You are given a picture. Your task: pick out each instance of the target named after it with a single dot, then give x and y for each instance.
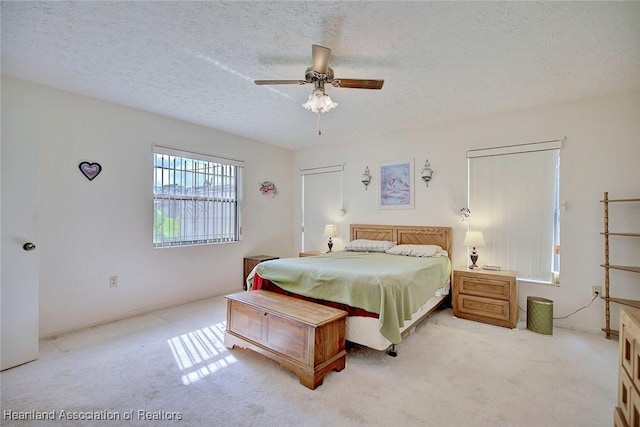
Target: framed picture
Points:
(395, 188)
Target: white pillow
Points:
(364, 245)
(416, 250)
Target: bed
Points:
(386, 295)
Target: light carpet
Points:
(101, 333)
(450, 372)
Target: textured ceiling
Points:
(441, 61)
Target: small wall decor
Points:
(268, 187)
(90, 170)
(366, 178)
(396, 185)
(465, 215)
(426, 173)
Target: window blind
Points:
(513, 198)
(196, 198)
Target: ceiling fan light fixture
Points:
(319, 102)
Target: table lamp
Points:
(473, 239)
(330, 232)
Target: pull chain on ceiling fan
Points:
(319, 74)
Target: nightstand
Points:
(252, 261)
(309, 253)
(486, 296)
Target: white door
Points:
(20, 316)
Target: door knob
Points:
(28, 246)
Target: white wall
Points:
(89, 231)
(92, 230)
(601, 153)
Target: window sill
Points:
(538, 282)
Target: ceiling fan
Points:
(320, 74)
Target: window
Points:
(196, 199)
(321, 204)
(514, 201)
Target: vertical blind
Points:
(513, 198)
(321, 204)
(196, 198)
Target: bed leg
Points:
(391, 351)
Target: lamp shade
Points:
(473, 239)
(319, 102)
(330, 230)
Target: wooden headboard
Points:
(404, 234)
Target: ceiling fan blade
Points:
(279, 82)
(358, 83)
(320, 58)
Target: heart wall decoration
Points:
(90, 170)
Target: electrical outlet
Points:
(113, 281)
(596, 290)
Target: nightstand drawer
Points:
(252, 261)
(484, 286)
(308, 253)
(486, 296)
(481, 308)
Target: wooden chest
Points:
(627, 412)
(304, 337)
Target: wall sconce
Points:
(426, 172)
(465, 215)
(366, 178)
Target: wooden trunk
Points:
(304, 337)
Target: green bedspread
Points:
(393, 286)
